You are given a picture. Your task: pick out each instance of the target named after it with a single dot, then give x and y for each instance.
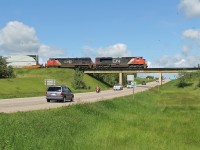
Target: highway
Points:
(38, 103)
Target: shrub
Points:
(5, 71)
(78, 82)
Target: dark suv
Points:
(143, 83)
(60, 93)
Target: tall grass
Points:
(163, 118)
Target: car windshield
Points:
(54, 89)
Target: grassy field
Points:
(30, 82)
(164, 118)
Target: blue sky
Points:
(165, 32)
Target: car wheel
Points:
(64, 99)
(72, 99)
(48, 100)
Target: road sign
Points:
(130, 78)
(134, 84)
(50, 82)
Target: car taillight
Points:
(61, 94)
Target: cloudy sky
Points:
(164, 32)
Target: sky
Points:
(164, 32)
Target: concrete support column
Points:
(160, 78)
(121, 78)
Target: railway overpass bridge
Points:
(122, 71)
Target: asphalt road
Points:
(37, 103)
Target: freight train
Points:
(100, 63)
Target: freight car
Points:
(123, 62)
(83, 63)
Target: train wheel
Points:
(131, 66)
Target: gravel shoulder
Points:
(38, 103)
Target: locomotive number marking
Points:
(116, 60)
(68, 61)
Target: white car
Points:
(117, 87)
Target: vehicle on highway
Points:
(98, 89)
(143, 83)
(59, 93)
(117, 87)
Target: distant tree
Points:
(150, 77)
(182, 83)
(78, 82)
(5, 71)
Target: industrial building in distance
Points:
(23, 61)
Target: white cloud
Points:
(178, 61)
(191, 8)
(47, 51)
(186, 59)
(88, 51)
(117, 50)
(181, 63)
(192, 34)
(186, 49)
(18, 38)
(149, 64)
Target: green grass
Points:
(30, 82)
(164, 118)
(140, 80)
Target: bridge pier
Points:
(121, 78)
(160, 78)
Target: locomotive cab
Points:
(53, 63)
(137, 62)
